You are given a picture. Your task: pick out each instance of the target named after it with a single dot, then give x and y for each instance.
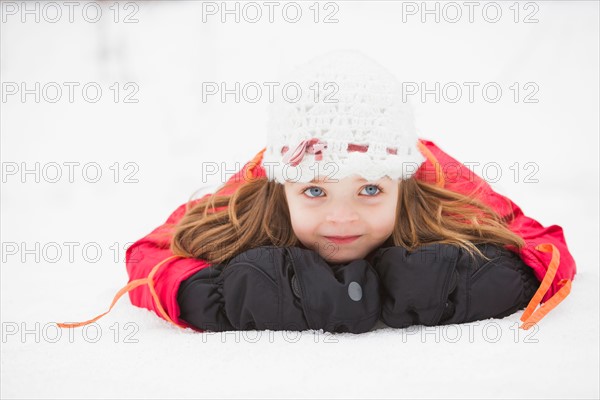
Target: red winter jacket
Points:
(155, 273)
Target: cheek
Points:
(387, 228)
(303, 224)
(383, 220)
(302, 220)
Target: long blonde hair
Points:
(218, 227)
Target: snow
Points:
(171, 133)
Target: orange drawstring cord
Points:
(440, 181)
(531, 316)
(256, 161)
(130, 286)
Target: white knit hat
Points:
(347, 118)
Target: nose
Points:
(341, 213)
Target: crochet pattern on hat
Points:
(354, 105)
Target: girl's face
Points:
(321, 212)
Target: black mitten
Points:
(415, 286)
(441, 284)
(282, 288)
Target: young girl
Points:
(343, 218)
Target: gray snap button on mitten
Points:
(355, 291)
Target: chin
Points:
(342, 259)
(340, 256)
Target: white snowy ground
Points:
(171, 132)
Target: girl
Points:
(343, 218)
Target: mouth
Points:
(342, 239)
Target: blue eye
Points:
(372, 189)
(313, 188)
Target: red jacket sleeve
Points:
(451, 174)
(146, 253)
(142, 256)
